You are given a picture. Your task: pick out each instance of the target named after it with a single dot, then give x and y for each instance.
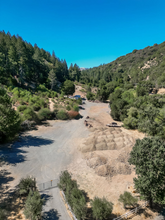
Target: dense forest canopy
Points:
(22, 64)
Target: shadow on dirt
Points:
(5, 180)
(17, 152)
(51, 215)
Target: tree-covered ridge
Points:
(24, 65)
(133, 67)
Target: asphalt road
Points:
(45, 155)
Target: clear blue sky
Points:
(86, 32)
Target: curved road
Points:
(45, 154)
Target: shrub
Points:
(76, 108)
(33, 206)
(78, 203)
(101, 208)
(79, 101)
(65, 177)
(36, 107)
(90, 96)
(25, 185)
(73, 114)
(62, 115)
(44, 114)
(127, 199)
(22, 108)
(68, 107)
(55, 105)
(29, 114)
(9, 118)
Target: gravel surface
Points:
(44, 153)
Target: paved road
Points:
(45, 155)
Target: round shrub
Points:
(29, 114)
(68, 107)
(62, 115)
(36, 107)
(44, 114)
(76, 108)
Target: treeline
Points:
(148, 63)
(22, 64)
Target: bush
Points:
(79, 101)
(33, 206)
(44, 114)
(76, 108)
(78, 203)
(9, 118)
(25, 185)
(127, 199)
(29, 114)
(74, 196)
(65, 179)
(90, 96)
(36, 107)
(101, 208)
(62, 115)
(68, 107)
(22, 108)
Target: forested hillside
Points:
(131, 83)
(148, 63)
(32, 80)
(22, 64)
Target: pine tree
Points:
(53, 79)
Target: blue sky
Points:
(86, 32)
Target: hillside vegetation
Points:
(148, 63)
(131, 83)
(33, 85)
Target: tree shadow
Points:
(51, 215)
(46, 197)
(5, 179)
(82, 108)
(17, 152)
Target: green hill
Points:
(131, 83)
(148, 63)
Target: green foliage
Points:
(74, 196)
(9, 118)
(127, 199)
(101, 208)
(44, 114)
(78, 203)
(79, 101)
(148, 157)
(29, 114)
(68, 107)
(26, 184)
(62, 115)
(90, 96)
(21, 108)
(23, 65)
(69, 87)
(33, 206)
(76, 108)
(65, 177)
